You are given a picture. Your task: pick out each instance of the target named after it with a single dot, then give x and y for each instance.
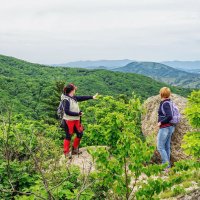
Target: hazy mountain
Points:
(189, 66)
(196, 71)
(163, 73)
(100, 64)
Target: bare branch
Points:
(85, 186)
(126, 178)
(41, 173)
(24, 193)
(131, 193)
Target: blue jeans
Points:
(163, 143)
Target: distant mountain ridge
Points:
(97, 64)
(189, 66)
(163, 73)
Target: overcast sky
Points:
(58, 31)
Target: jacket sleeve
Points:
(83, 98)
(168, 113)
(67, 111)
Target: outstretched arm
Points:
(84, 98)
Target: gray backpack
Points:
(176, 116)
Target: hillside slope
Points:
(163, 73)
(31, 88)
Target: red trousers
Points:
(72, 126)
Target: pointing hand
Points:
(95, 96)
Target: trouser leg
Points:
(168, 142)
(162, 138)
(67, 140)
(66, 146)
(79, 134)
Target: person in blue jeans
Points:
(166, 129)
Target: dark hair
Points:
(67, 89)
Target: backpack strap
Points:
(170, 104)
(64, 104)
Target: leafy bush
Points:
(191, 140)
(125, 155)
(30, 163)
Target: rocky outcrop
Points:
(83, 161)
(149, 125)
(193, 195)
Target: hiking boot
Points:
(76, 151)
(68, 155)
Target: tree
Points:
(125, 155)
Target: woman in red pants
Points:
(72, 117)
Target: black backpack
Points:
(61, 109)
(61, 112)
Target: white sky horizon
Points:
(55, 32)
(93, 60)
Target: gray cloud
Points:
(50, 31)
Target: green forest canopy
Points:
(33, 89)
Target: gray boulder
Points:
(150, 129)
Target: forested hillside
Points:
(35, 89)
(164, 73)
